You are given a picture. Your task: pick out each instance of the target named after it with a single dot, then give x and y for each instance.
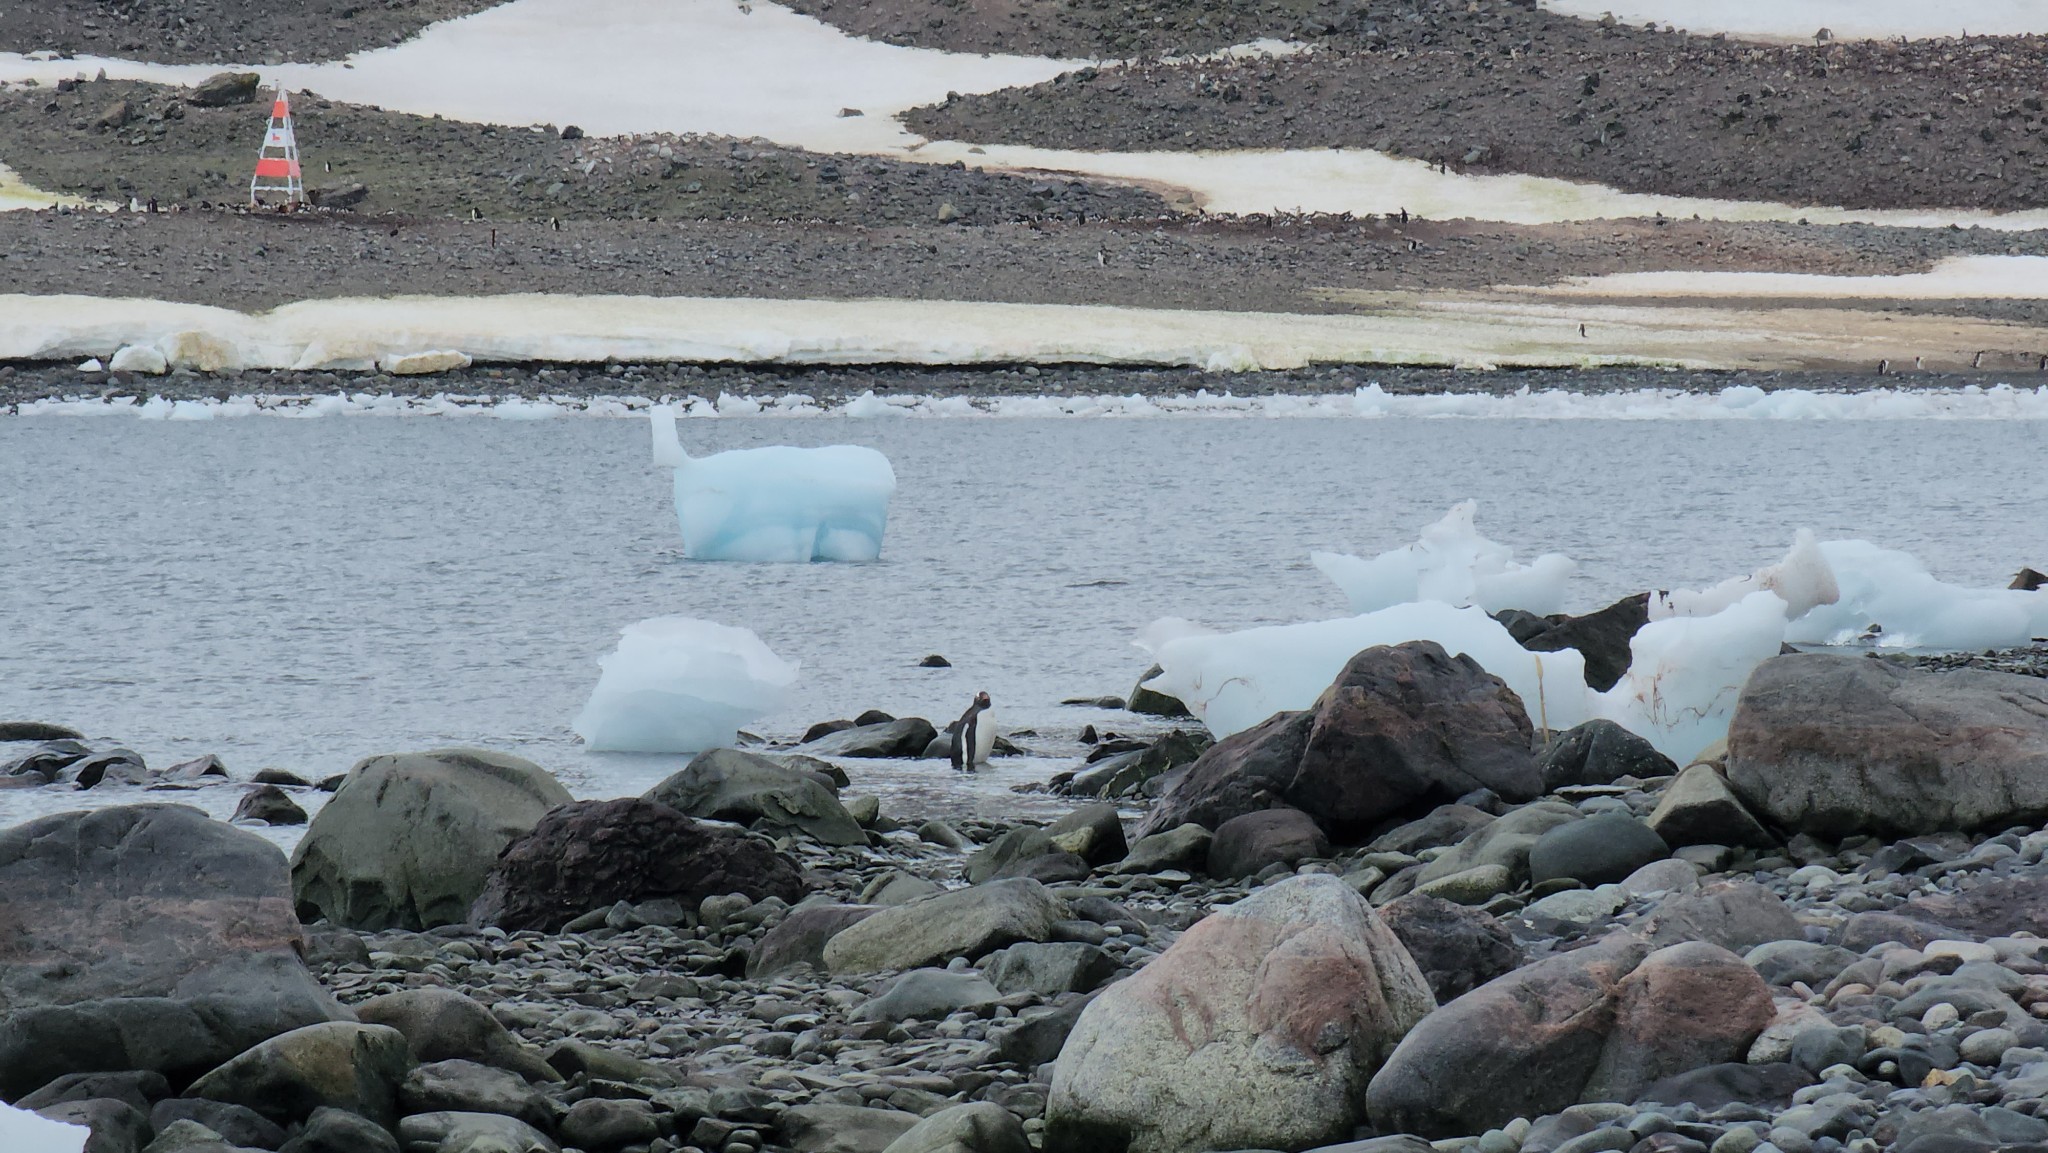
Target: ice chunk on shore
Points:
(1893, 591)
(1233, 681)
(681, 685)
(1453, 564)
(1803, 580)
(1685, 673)
(24, 1132)
(778, 504)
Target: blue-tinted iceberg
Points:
(681, 685)
(778, 504)
(1453, 564)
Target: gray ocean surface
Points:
(306, 593)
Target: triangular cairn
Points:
(277, 165)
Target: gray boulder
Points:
(730, 785)
(1599, 850)
(822, 1128)
(1183, 847)
(897, 887)
(1245, 845)
(331, 1130)
(1505, 841)
(908, 737)
(1599, 752)
(337, 1065)
(605, 1123)
(1838, 745)
(1094, 833)
(1242, 773)
(1049, 968)
(1150, 701)
(1685, 1007)
(115, 1126)
(449, 1132)
(929, 994)
(1040, 1033)
(1736, 915)
(224, 88)
(967, 923)
(408, 840)
(1011, 848)
(467, 1087)
(145, 937)
(442, 1025)
(980, 1127)
(183, 1136)
(1259, 1028)
(235, 1124)
(800, 938)
(1700, 809)
(271, 805)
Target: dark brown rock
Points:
(271, 805)
(589, 854)
(1242, 773)
(1457, 948)
(1684, 1007)
(224, 88)
(1245, 845)
(1601, 637)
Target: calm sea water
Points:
(306, 593)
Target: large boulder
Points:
(1243, 846)
(338, 1065)
(907, 737)
(1259, 1028)
(1094, 833)
(1736, 915)
(1599, 850)
(1457, 949)
(1186, 847)
(224, 88)
(1505, 842)
(442, 1025)
(970, 923)
(409, 838)
(730, 785)
(145, 937)
(1598, 1024)
(467, 1087)
(824, 1128)
(591, 854)
(979, 1127)
(1837, 745)
(1402, 727)
(1522, 1045)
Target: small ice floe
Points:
(680, 685)
(777, 504)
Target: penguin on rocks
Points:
(972, 740)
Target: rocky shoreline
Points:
(1577, 949)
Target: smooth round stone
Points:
(1596, 851)
(1986, 1046)
(1940, 1015)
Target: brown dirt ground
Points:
(208, 31)
(1496, 87)
(120, 140)
(255, 261)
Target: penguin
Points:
(972, 740)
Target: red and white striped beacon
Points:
(277, 163)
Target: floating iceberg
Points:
(1685, 673)
(1232, 681)
(779, 504)
(681, 685)
(1453, 564)
(1803, 580)
(24, 1132)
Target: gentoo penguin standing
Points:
(972, 740)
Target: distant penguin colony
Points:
(972, 742)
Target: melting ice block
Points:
(1803, 580)
(1451, 563)
(778, 504)
(1911, 609)
(24, 1132)
(1233, 681)
(681, 685)
(1685, 673)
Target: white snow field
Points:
(1453, 564)
(1846, 19)
(23, 1132)
(777, 504)
(1687, 665)
(615, 67)
(1462, 330)
(680, 685)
